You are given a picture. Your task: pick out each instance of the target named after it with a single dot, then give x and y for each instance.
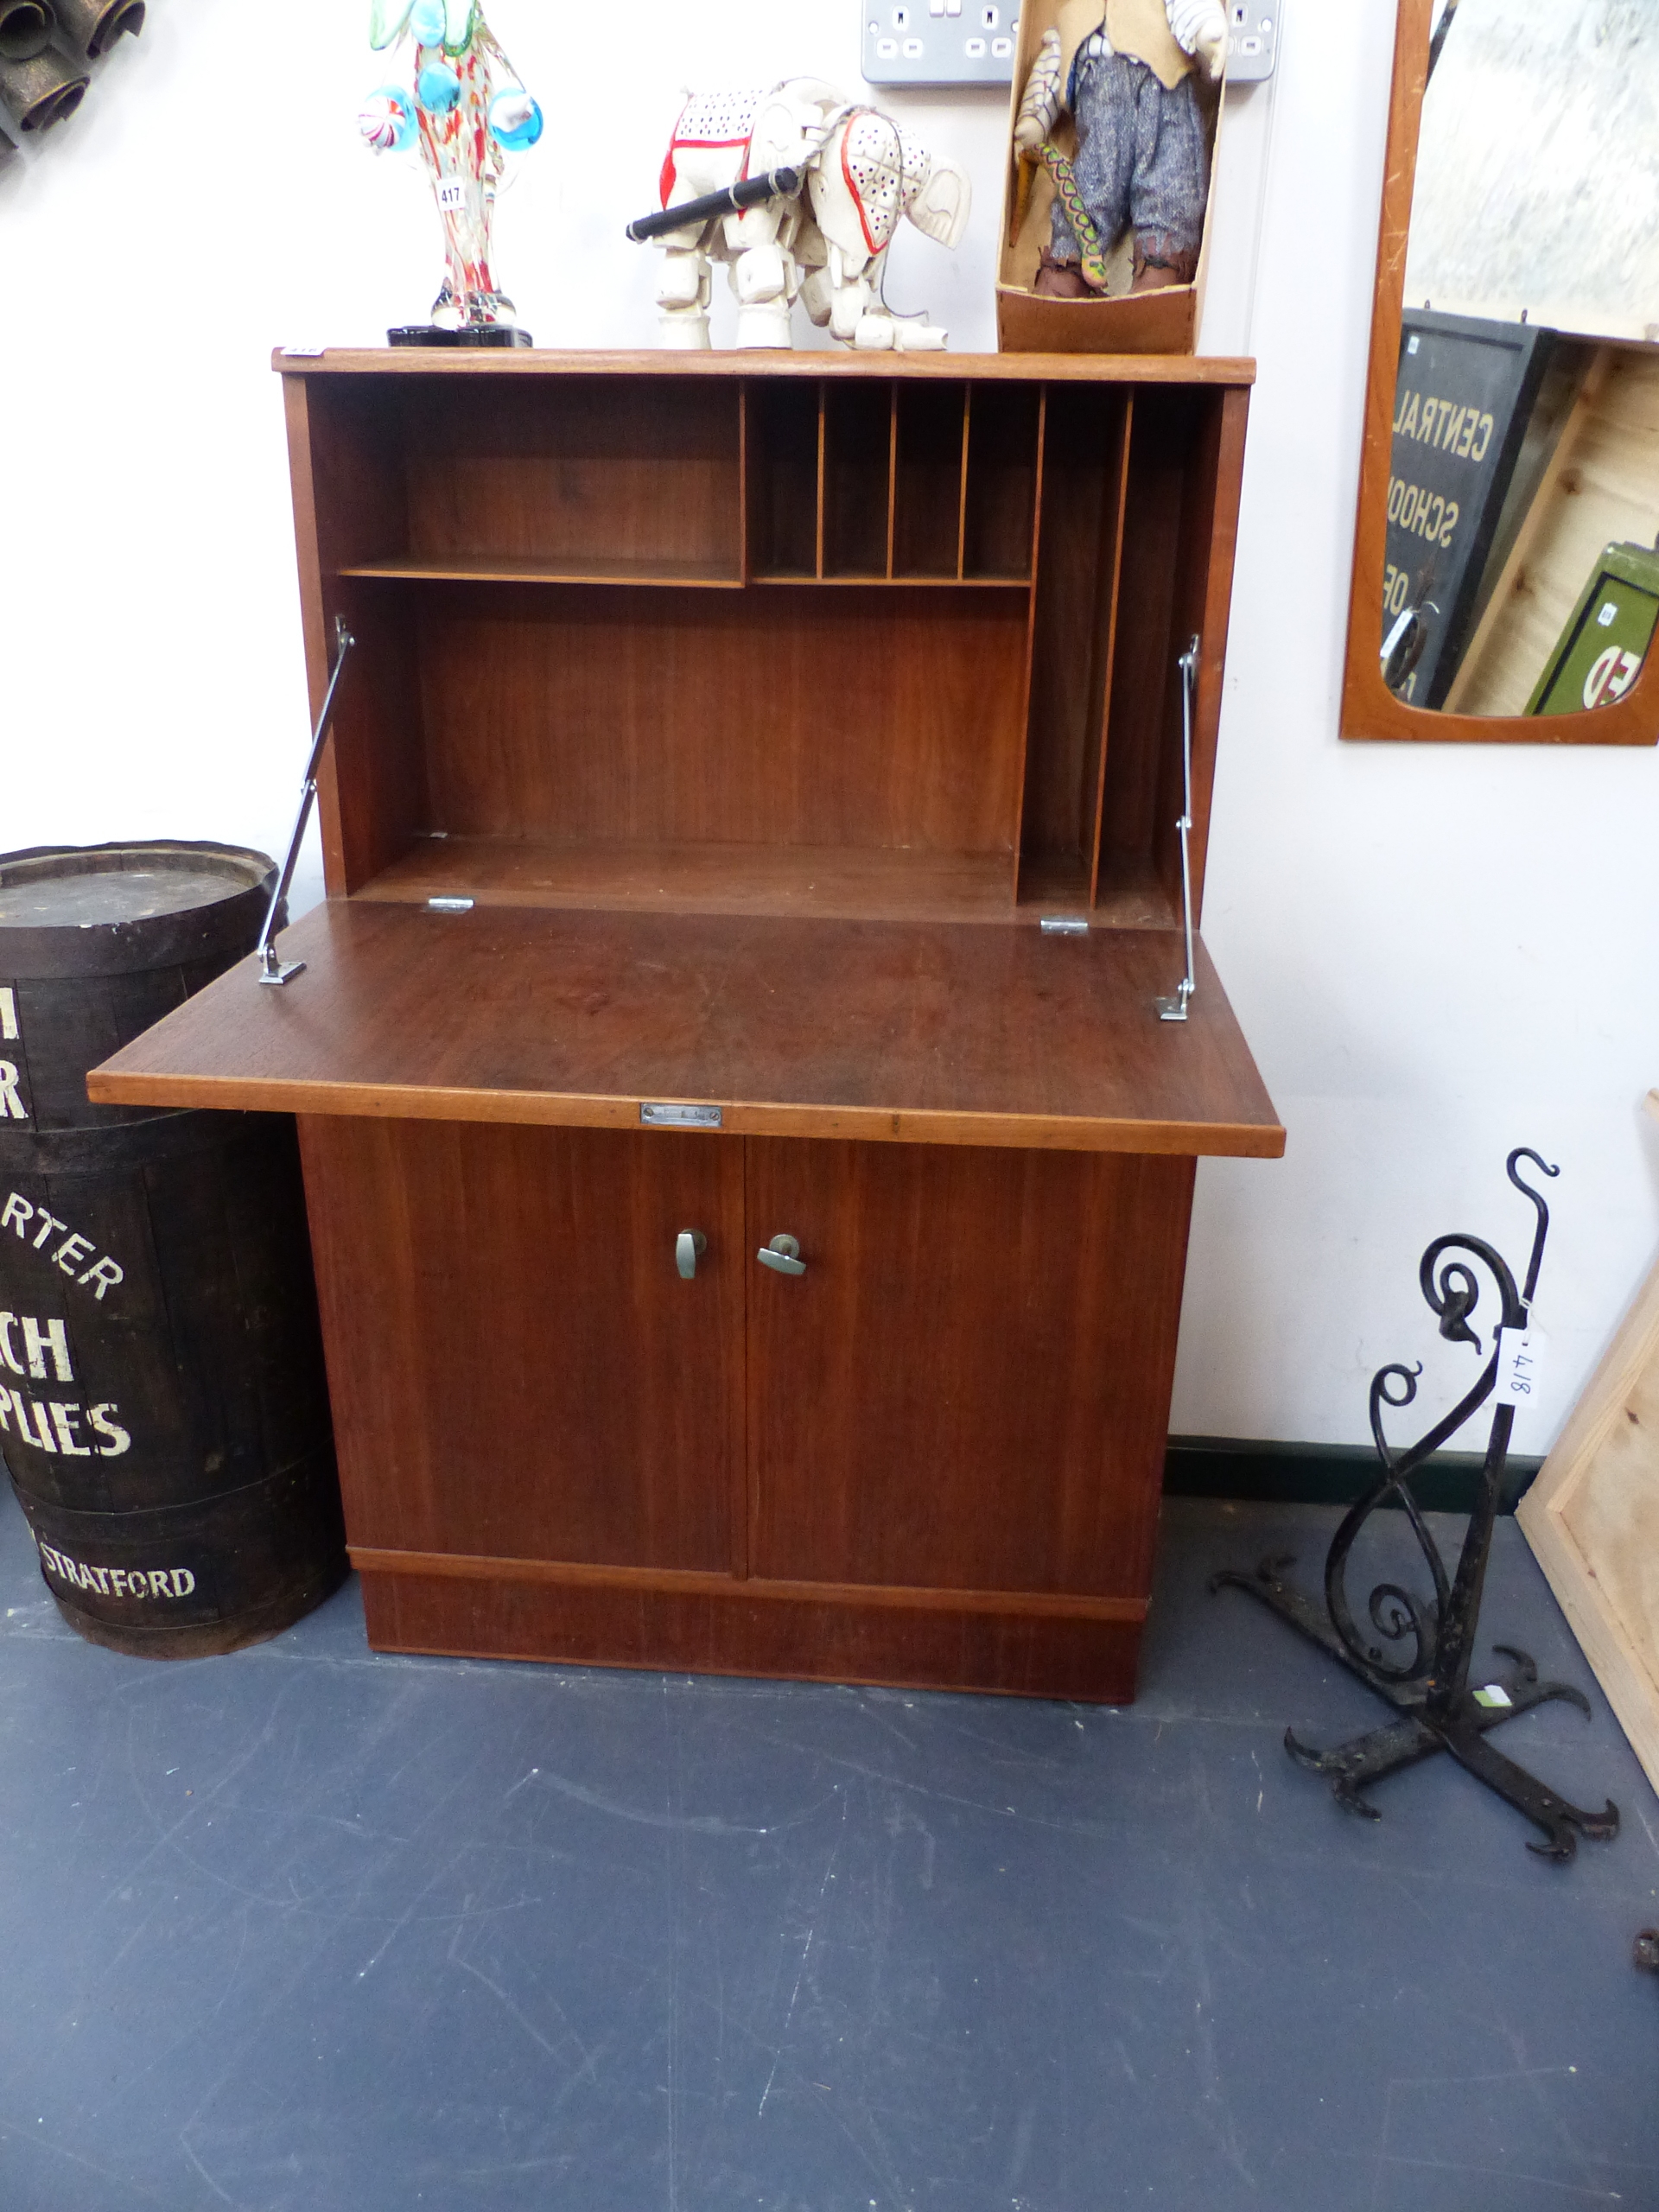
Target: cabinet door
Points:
(517, 1367)
(968, 1387)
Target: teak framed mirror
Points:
(1505, 582)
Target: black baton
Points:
(753, 192)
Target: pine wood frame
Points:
(1608, 1447)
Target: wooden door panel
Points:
(517, 1368)
(969, 1388)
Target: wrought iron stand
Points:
(1429, 1687)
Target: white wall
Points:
(1437, 952)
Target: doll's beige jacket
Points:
(1138, 28)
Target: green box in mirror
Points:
(1599, 653)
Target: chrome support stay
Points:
(1174, 1008)
(271, 969)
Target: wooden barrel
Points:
(164, 1413)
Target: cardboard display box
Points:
(1162, 321)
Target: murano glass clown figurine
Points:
(463, 103)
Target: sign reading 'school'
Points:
(1464, 392)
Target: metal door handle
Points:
(689, 1248)
(783, 1256)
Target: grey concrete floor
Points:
(309, 1930)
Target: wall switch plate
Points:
(940, 41)
(1252, 40)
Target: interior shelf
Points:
(596, 569)
(1127, 897)
(832, 882)
(526, 568)
(935, 583)
(838, 882)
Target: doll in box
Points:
(1127, 74)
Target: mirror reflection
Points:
(1521, 575)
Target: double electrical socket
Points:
(972, 41)
(1252, 40)
(940, 41)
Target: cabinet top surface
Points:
(920, 1032)
(532, 361)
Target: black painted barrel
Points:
(163, 1413)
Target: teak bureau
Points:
(747, 1240)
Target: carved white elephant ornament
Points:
(827, 244)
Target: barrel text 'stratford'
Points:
(118, 1582)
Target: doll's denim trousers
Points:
(1142, 159)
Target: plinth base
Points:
(475, 333)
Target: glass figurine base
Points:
(474, 333)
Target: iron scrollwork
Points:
(1414, 1650)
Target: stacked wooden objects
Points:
(749, 1176)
